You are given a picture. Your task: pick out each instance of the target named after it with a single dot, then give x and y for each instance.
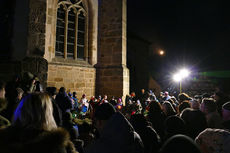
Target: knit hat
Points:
(51, 90)
(214, 140)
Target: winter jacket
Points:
(118, 136)
(64, 102)
(17, 140)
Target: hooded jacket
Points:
(17, 140)
(118, 136)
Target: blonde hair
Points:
(35, 111)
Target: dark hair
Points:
(62, 90)
(195, 121)
(174, 125)
(184, 105)
(74, 94)
(138, 120)
(154, 107)
(210, 104)
(104, 111)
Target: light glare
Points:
(183, 73)
(161, 52)
(177, 77)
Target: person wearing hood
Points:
(63, 101)
(116, 134)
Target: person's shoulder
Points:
(4, 122)
(56, 138)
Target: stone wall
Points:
(34, 50)
(73, 78)
(112, 73)
(37, 28)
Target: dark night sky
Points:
(193, 33)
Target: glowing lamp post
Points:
(178, 77)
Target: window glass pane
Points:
(71, 34)
(81, 36)
(80, 53)
(59, 49)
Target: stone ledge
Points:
(70, 62)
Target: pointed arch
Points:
(73, 42)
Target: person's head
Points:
(70, 95)
(218, 95)
(74, 94)
(168, 108)
(183, 97)
(52, 91)
(174, 125)
(62, 90)
(166, 93)
(180, 144)
(35, 111)
(105, 96)
(102, 114)
(226, 111)
(38, 86)
(184, 105)
(198, 98)
(195, 104)
(19, 93)
(138, 121)
(173, 100)
(142, 91)
(155, 107)
(2, 89)
(214, 141)
(206, 95)
(195, 121)
(208, 105)
(133, 94)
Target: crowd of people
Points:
(51, 120)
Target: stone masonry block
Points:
(58, 79)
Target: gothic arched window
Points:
(71, 30)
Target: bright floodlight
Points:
(181, 75)
(177, 77)
(184, 73)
